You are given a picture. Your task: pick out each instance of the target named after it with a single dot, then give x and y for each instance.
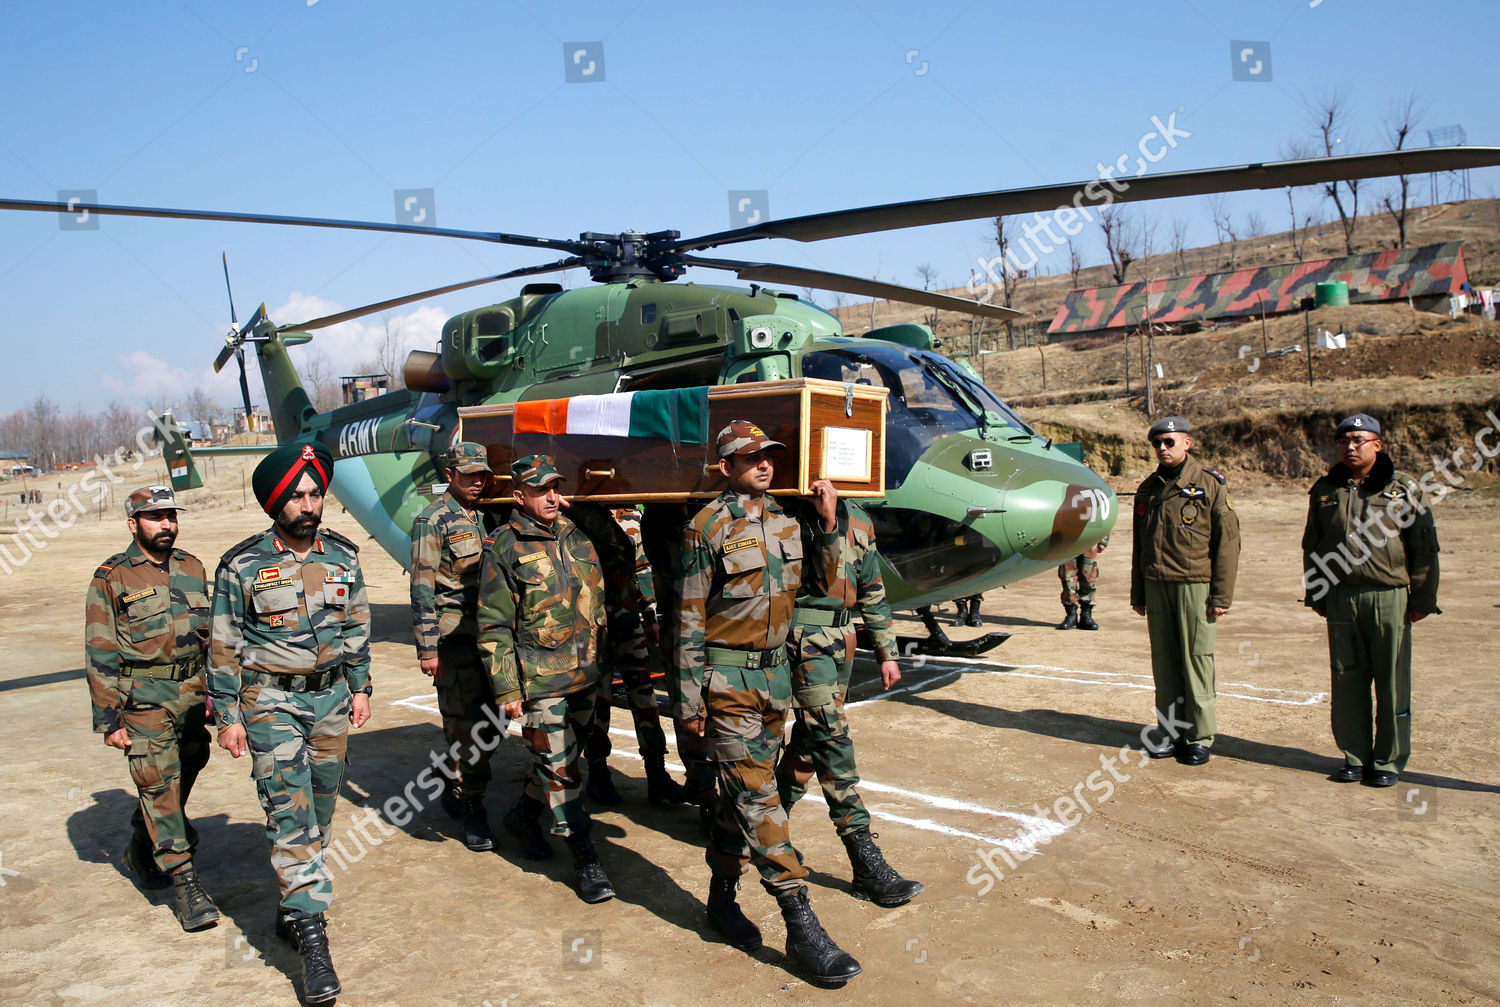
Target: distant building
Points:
(358, 387)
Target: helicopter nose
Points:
(1054, 511)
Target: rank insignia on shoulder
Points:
(137, 596)
(268, 574)
(739, 544)
(1218, 475)
(532, 557)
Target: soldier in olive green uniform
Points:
(1370, 565)
(447, 541)
(1184, 555)
(823, 644)
(743, 561)
(541, 617)
(289, 672)
(144, 645)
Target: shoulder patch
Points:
(109, 564)
(342, 540)
(102, 571)
(1218, 475)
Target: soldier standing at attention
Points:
(447, 542)
(1078, 576)
(289, 672)
(1185, 552)
(742, 561)
(541, 613)
(1373, 523)
(823, 651)
(144, 646)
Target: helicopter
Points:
(974, 498)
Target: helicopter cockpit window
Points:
(991, 402)
(919, 409)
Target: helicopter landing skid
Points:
(937, 643)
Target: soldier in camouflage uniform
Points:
(823, 643)
(743, 561)
(632, 632)
(541, 616)
(289, 671)
(1185, 553)
(1078, 576)
(1370, 565)
(447, 542)
(144, 645)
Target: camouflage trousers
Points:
(641, 697)
(701, 775)
(820, 740)
(1078, 576)
(554, 730)
(169, 746)
(298, 742)
(747, 710)
(466, 699)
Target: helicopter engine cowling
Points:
(423, 372)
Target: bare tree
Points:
(1332, 134)
(1075, 262)
(1124, 239)
(1179, 243)
(1299, 243)
(1404, 116)
(1010, 280)
(1218, 210)
(929, 277)
(322, 387)
(202, 407)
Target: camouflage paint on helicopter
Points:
(974, 499)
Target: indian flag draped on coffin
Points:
(675, 414)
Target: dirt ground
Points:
(1250, 880)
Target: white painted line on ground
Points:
(1034, 832)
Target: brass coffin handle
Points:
(599, 473)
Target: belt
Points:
(178, 671)
(746, 658)
(295, 683)
(823, 617)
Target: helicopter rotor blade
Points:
(795, 275)
(498, 237)
(396, 302)
(230, 290)
(239, 355)
(1096, 193)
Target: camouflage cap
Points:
(150, 498)
(535, 470)
(1168, 425)
(466, 457)
(742, 435)
(1359, 421)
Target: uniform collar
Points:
(280, 546)
(1380, 475)
(454, 505)
(529, 527)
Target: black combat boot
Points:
(1071, 622)
(875, 880)
(961, 618)
(320, 983)
(195, 910)
(140, 862)
(451, 801)
(600, 787)
(809, 945)
(1086, 616)
(724, 915)
(521, 822)
(974, 619)
(477, 833)
(660, 787)
(593, 883)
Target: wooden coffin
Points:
(831, 430)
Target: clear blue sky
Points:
(825, 105)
